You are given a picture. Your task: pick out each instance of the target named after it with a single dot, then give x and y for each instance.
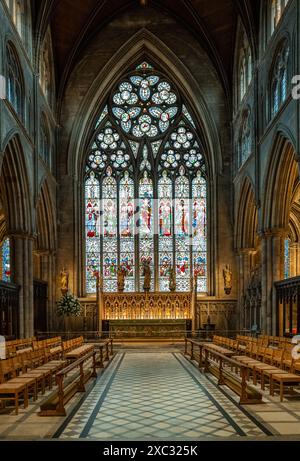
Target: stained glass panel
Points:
(286, 258)
(126, 219)
(165, 231)
(92, 231)
(5, 261)
(109, 230)
(182, 231)
(146, 227)
(145, 106)
(199, 231)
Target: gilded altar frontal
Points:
(149, 222)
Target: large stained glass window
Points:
(5, 261)
(145, 188)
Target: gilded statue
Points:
(227, 274)
(121, 278)
(64, 281)
(147, 276)
(172, 280)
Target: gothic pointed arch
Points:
(143, 46)
(45, 220)
(247, 219)
(15, 190)
(281, 175)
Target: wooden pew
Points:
(222, 367)
(54, 405)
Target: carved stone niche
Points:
(252, 295)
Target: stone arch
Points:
(45, 219)
(17, 205)
(79, 120)
(247, 218)
(45, 254)
(142, 46)
(280, 177)
(15, 191)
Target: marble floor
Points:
(152, 393)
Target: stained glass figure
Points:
(182, 231)
(146, 228)
(199, 229)
(92, 230)
(109, 230)
(126, 219)
(165, 230)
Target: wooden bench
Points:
(222, 367)
(13, 392)
(79, 352)
(283, 379)
(108, 345)
(54, 405)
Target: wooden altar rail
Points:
(54, 405)
(221, 367)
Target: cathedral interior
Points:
(149, 219)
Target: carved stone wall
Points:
(138, 306)
(221, 313)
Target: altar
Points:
(146, 306)
(150, 314)
(154, 329)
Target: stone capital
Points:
(273, 232)
(246, 251)
(22, 235)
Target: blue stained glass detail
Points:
(5, 261)
(287, 258)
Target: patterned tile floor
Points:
(153, 395)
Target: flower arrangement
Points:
(68, 306)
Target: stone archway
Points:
(248, 255)
(282, 176)
(17, 206)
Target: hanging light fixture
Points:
(143, 2)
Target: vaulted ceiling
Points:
(213, 22)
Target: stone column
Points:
(272, 263)
(48, 274)
(29, 329)
(277, 271)
(265, 280)
(23, 276)
(244, 256)
(17, 244)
